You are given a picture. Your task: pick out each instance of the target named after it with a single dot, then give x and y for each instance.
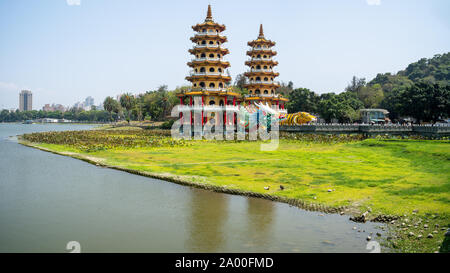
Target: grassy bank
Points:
(407, 178)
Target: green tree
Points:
(425, 101)
(303, 99)
(110, 105)
(127, 101)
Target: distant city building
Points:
(88, 102)
(25, 100)
(54, 107)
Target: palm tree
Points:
(127, 101)
(110, 105)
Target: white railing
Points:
(260, 70)
(262, 95)
(207, 33)
(264, 82)
(202, 46)
(214, 89)
(192, 73)
(259, 59)
(206, 59)
(260, 49)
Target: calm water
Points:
(47, 200)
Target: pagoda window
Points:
(211, 55)
(211, 69)
(258, 78)
(272, 92)
(271, 79)
(265, 57)
(221, 85)
(203, 42)
(212, 85)
(258, 67)
(251, 91)
(195, 85)
(196, 70)
(218, 55)
(211, 102)
(220, 69)
(258, 56)
(251, 79)
(221, 103)
(266, 92)
(266, 79)
(265, 67)
(257, 91)
(202, 84)
(203, 30)
(211, 42)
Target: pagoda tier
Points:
(261, 84)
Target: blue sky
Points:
(64, 53)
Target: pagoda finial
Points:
(261, 31)
(209, 14)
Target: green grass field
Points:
(387, 176)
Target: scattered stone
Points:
(281, 187)
(419, 236)
(342, 213)
(266, 188)
(411, 234)
(330, 190)
(314, 198)
(354, 228)
(425, 226)
(403, 224)
(320, 214)
(416, 211)
(392, 222)
(435, 231)
(378, 234)
(437, 225)
(368, 238)
(430, 235)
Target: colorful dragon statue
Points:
(255, 111)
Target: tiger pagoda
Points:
(210, 82)
(261, 85)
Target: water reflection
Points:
(260, 217)
(209, 213)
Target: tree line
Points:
(421, 91)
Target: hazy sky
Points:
(66, 50)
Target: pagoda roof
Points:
(261, 40)
(209, 22)
(215, 37)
